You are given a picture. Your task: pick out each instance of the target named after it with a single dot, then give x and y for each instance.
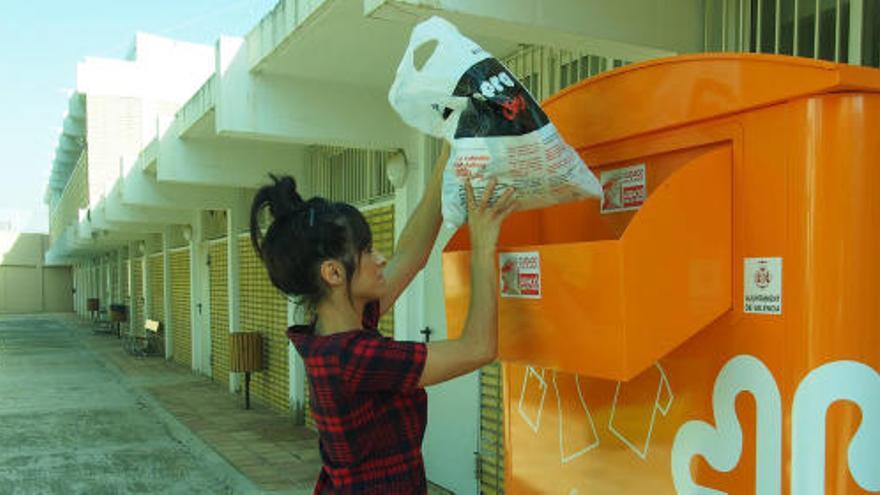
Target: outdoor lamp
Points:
(395, 169)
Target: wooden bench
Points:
(102, 321)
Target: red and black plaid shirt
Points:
(368, 407)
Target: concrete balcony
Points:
(276, 27)
(73, 197)
(651, 28)
(196, 116)
(71, 144)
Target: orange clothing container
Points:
(713, 326)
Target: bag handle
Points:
(434, 29)
(419, 97)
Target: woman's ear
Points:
(332, 273)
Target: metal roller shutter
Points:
(491, 458)
(219, 311)
(181, 324)
(833, 30)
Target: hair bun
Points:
(283, 197)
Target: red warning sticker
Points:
(623, 189)
(520, 274)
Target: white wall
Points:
(26, 285)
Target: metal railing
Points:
(74, 196)
(833, 30)
(354, 176)
(544, 70)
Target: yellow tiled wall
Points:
(157, 289)
(219, 311)
(136, 306)
(264, 310)
(126, 296)
(180, 308)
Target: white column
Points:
(295, 367)
(236, 222)
(409, 310)
(132, 252)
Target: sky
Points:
(40, 44)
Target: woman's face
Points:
(368, 282)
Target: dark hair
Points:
(302, 235)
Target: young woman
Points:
(367, 391)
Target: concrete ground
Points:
(70, 423)
(79, 415)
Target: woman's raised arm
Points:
(417, 238)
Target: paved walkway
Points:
(79, 415)
(69, 423)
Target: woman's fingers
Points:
(503, 200)
(487, 193)
(505, 204)
(469, 193)
(506, 197)
(508, 209)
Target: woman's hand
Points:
(478, 344)
(485, 217)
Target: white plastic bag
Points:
(496, 128)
